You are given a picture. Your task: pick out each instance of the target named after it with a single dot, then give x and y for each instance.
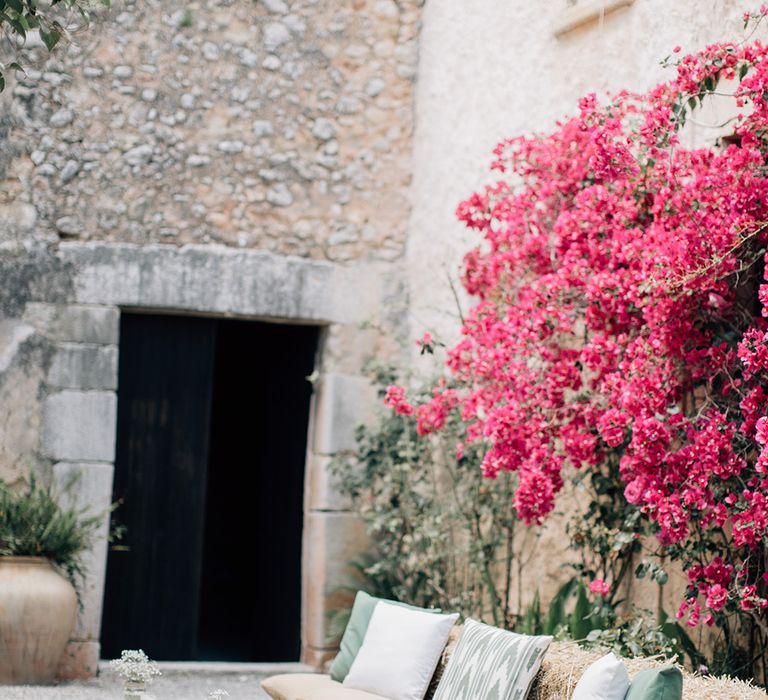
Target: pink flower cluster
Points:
(618, 311)
(600, 587)
(396, 400)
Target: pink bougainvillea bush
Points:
(621, 314)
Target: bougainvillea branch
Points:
(620, 314)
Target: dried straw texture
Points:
(450, 647)
(566, 661)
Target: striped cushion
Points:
(491, 664)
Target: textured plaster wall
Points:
(263, 124)
(490, 70)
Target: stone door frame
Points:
(80, 408)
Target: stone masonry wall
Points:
(59, 343)
(245, 158)
(274, 124)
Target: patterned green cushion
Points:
(491, 664)
(665, 683)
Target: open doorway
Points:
(211, 442)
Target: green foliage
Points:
(684, 643)
(530, 622)
(580, 623)
(571, 615)
(443, 535)
(557, 616)
(34, 524)
(652, 569)
(607, 534)
(636, 635)
(49, 18)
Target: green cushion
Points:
(355, 632)
(665, 683)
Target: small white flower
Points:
(218, 694)
(134, 665)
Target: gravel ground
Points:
(177, 682)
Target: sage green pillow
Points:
(356, 629)
(665, 683)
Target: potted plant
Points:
(40, 546)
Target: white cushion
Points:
(606, 679)
(400, 652)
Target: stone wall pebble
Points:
(262, 124)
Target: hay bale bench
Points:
(565, 662)
(563, 665)
(561, 669)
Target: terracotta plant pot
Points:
(37, 615)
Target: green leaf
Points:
(50, 38)
(675, 631)
(532, 618)
(743, 70)
(2, 82)
(18, 27)
(15, 5)
(621, 540)
(556, 615)
(580, 624)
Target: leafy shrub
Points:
(572, 614)
(442, 535)
(53, 21)
(33, 523)
(619, 330)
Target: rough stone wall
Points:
(26, 356)
(274, 124)
(245, 158)
(59, 344)
(257, 124)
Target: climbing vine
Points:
(620, 319)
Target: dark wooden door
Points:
(251, 581)
(153, 580)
